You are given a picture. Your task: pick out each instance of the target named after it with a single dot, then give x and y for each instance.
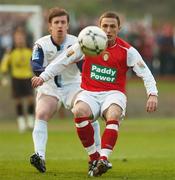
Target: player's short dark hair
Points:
(56, 11)
(110, 14)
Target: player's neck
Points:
(111, 43)
(58, 40)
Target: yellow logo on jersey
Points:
(105, 56)
(70, 53)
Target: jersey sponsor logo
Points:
(102, 73)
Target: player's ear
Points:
(99, 24)
(49, 27)
(67, 26)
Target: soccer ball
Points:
(92, 40)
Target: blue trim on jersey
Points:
(37, 69)
(57, 46)
(37, 60)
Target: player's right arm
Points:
(5, 62)
(37, 60)
(4, 68)
(71, 55)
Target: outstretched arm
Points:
(71, 55)
(140, 68)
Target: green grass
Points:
(145, 150)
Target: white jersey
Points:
(51, 51)
(44, 52)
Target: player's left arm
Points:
(141, 69)
(152, 103)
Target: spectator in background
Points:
(133, 35)
(17, 63)
(146, 45)
(166, 50)
(28, 35)
(5, 41)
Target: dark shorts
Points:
(21, 88)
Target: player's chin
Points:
(60, 33)
(110, 38)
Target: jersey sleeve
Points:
(71, 55)
(5, 63)
(37, 59)
(135, 61)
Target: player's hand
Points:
(152, 103)
(4, 81)
(37, 81)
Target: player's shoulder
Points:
(71, 38)
(44, 39)
(122, 43)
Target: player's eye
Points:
(56, 22)
(63, 22)
(112, 26)
(104, 25)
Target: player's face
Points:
(58, 28)
(19, 40)
(111, 28)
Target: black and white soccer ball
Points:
(92, 40)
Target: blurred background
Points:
(149, 27)
(146, 146)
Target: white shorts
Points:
(49, 88)
(69, 93)
(100, 101)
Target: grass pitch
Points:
(145, 150)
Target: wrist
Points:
(153, 94)
(42, 77)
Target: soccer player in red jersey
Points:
(104, 90)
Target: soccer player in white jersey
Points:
(59, 88)
(107, 98)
